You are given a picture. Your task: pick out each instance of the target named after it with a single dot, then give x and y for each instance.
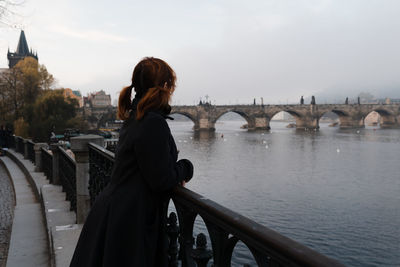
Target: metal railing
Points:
(225, 228)
(67, 174)
(101, 162)
(10, 141)
(20, 145)
(47, 164)
(31, 150)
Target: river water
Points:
(335, 191)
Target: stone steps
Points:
(28, 243)
(61, 232)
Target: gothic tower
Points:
(21, 53)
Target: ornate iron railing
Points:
(225, 228)
(31, 150)
(101, 162)
(67, 173)
(47, 164)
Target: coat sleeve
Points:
(155, 161)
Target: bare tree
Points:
(8, 12)
(11, 93)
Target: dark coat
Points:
(126, 225)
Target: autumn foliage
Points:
(30, 105)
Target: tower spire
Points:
(22, 51)
(22, 47)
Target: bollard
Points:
(38, 156)
(79, 145)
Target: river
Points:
(335, 191)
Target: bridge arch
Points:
(342, 115)
(346, 120)
(185, 114)
(291, 112)
(282, 117)
(338, 112)
(387, 119)
(242, 114)
(298, 117)
(330, 117)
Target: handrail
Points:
(47, 163)
(65, 154)
(68, 176)
(46, 151)
(31, 152)
(254, 235)
(104, 152)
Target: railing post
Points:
(201, 254)
(38, 156)
(25, 148)
(79, 146)
(56, 169)
(173, 232)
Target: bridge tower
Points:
(21, 53)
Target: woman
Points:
(126, 225)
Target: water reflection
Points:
(204, 135)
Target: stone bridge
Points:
(204, 117)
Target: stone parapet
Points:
(79, 146)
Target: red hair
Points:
(154, 82)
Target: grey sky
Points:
(232, 51)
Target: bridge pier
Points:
(389, 121)
(258, 123)
(348, 122)
(204, 124)
(303, 123)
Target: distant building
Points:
(75, 94)
(392, 101)
(97, 100)
(21, 53)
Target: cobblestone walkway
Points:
(6, 214)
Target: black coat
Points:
(126, 225)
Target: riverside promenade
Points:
(54, 193)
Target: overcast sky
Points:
(230, 50)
